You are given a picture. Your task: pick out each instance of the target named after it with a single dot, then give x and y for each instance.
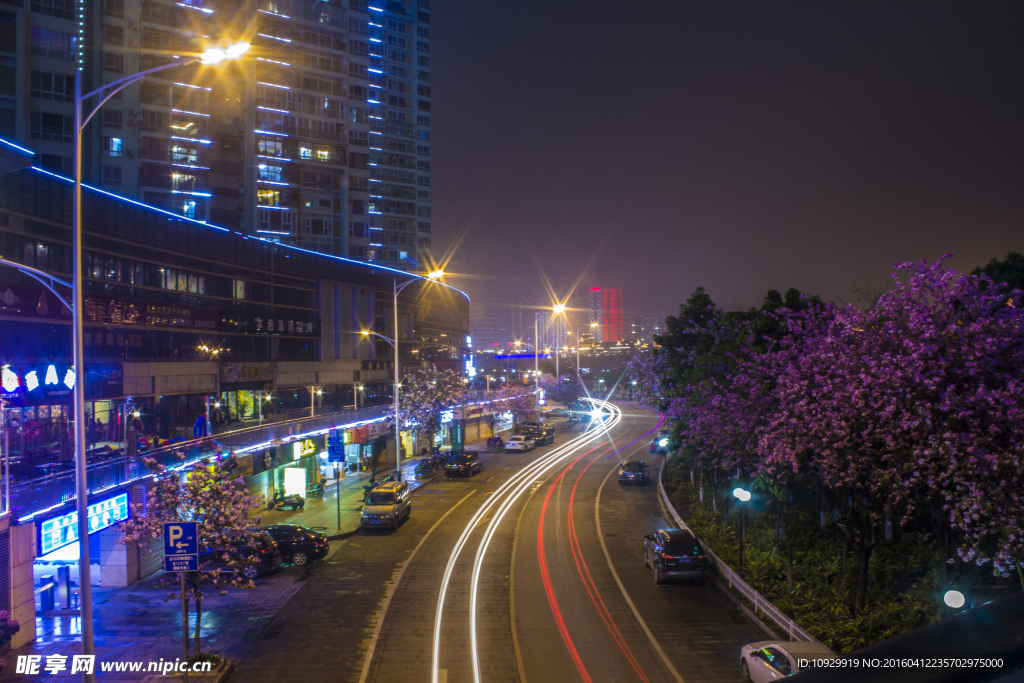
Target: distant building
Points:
(642, 328)
(611, 315)
(551, 330)
(497, 324)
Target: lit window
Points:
(305, 152)
(268, 197)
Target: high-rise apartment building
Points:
(606, 312)
(319, 138)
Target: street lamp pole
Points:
(536, 363)
(435, 275)
(104, 93)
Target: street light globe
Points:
(954, 599)
(558, 308)
(435, 274)
(365, 333)
(742, 494)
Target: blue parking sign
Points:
(181, 546)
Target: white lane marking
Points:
(618, 581)
(394, 586)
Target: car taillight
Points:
(699, 557)
(666, 556)
(264, 551)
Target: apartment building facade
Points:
(319, 138)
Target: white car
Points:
(770, 660)
(519, 443)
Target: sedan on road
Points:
(675, 554)
(465, 465)
(633, 472)
(519, 443)
(770, 660)
(298, 544)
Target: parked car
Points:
(633, 472)
(519, 443)
(660, 443)
(465, 465)
(530, 425)
(541, 436)
(770, 660)
(298, 544)
(257, 558)
(675, 554)
(386, 504)
(558, 412)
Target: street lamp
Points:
(433, 276)
(104, 93)
(314, 391)
(743, 496)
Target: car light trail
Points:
(584, 571)
(514, 487)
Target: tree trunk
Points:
(714, 490)
(199, 622)
(863, 564)
(888, 520)
(789, 545)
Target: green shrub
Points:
(904, 583)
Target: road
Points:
(530, 570)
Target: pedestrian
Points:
(199, 428)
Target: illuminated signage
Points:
(61, 531)
(304, 447)
(447, 415)
(12, 380)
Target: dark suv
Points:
(299, 545)
(257, 559)
(675, 554)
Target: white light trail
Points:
(519, 483)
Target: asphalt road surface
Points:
(530, 570)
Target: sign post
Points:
(181, 554)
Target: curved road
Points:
(549, 551)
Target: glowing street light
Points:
(104, 93)
(433, 276)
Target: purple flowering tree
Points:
(645, 372)
(425, 394)
(213, 494)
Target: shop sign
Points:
(268, 323)
(37, 380)
(303, 448)
(31, 301)
(447, 415)
(139, 313)
(248, 372)
(58, 532)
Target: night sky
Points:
(661, 145)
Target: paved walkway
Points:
(137, 623)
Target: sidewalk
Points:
(137, 624)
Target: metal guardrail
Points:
(760, 603)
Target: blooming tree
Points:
(645, 372)
(426, 394)
(516, 399)
(213, 494)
